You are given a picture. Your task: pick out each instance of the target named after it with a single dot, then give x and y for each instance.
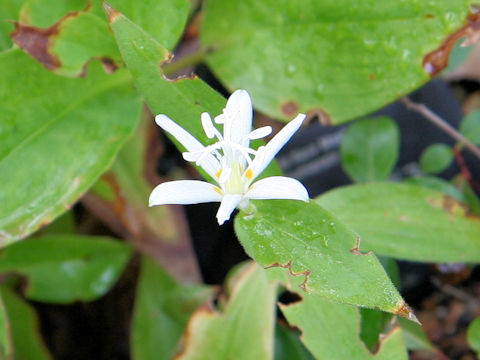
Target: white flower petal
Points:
(228, 204)
(211, 165)
(260, 133)
(277, 187)
(266, 153)
(183, 136)
(184, 192)
(239, 113)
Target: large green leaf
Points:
(66, 268)
(24, 328)
(336, 58)
(65, 39)
(370, 149)
(162, 310)
(330, 331)
(9, 10)
(407, 222)
(320, 253)
(244, 327)
(57, 136)
(183, 100)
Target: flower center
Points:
(235, 183)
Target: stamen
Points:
(260, 133)
(225, 175)
(243, 150)
(210, 130)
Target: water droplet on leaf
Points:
(332, 227)
(291, 69)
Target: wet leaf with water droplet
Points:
(363, 53)
(321, 261)
(407, 221)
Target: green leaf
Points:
(244, 326)
(470, 127)
(162, 310)
(407, 222)
(473, 335)
(9, 10)
(6, 350)
(438, 184)
(319, 251)
(57, 136)
(65, 224)
(373, 324)
(188, 98)
(288, 345)
(24, 327)
(163, 19)
(43, 13)
(415, 337)
(339, 59)
(66, 268)
(436, 158)
(458, 188)
(391, 268)
(330, 331)
(369, 149)
(78, 32)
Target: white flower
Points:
(229, 161)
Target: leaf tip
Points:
(111, 13)
(406, 311)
